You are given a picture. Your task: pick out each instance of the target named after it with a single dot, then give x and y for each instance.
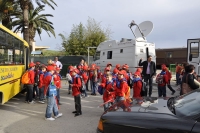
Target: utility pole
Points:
(89, 54)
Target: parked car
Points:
(154, 115)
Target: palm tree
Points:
(37, 23)
(27, 5)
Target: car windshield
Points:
(188, 105)
(97, 55)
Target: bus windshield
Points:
(97, 55)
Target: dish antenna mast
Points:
(132, 24)
(143, 29)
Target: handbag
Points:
(52, 88)
(185, 87)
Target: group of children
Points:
(44, 82)
(114, 85)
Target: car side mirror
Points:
(190, 57)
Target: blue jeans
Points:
(107, 106)
(41, 93)
(119, 100)
(161, 91)
(94, 88)
(177, 78)
(51, 107)
(58, 95)
(91, 85)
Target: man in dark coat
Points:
(148, 72)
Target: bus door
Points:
(193, 51)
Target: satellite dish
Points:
(146, 27)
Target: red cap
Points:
(80, 67)
(37, 63)
(92, 67)
(53, 64)
(125, 66)
(118, 66)
(31, 64)
(139, 70)
(115, 71)
(70, 67)
(98, 67)
(57, 69)
(137, 73)
(76, 70)
(120, 72)
(50, 68)
(109, 64)
(163, 65)
(85, 68)
(107, 69)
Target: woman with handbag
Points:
(188, 83)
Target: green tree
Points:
(81, 37)
(37, 23)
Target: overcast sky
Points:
(174, 21)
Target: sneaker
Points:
(77, 114)
(32, 102)
(50, 119)
(59, 115)
(41, 102)
(173, 92)
(74, 112)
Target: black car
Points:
(154, 115)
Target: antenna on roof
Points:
(132, 24)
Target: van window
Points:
(103, 53)
(121, 50)
(194, 49)
(109, 55)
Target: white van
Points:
(127, 51)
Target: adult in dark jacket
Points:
(189, 74)
(149, 70)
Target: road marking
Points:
(15, 98)
(88, 107)
(25, 112)
(66, 103)
(10, 105)
(13, 102)
(32, 111)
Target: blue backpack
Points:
(101, 89)
(52, 88)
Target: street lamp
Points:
(89, 53)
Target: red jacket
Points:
(103, 80)
(99, 74)
(57, 81)
(47, 81)
(41, 80)
(85, 77)
(169, 75)
(121, 89)
(91, 75)
(109, 88)
(76, 85)
(165, 80)
(31, 75)
(137, 87)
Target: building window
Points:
(109, 55)
(103, 53)
(121, 50)
(169, 54)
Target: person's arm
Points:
(154, 69)
(141, 63)
(191, 82)
(60, 64)
(32, 77)
(78, 84)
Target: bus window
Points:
(194, 49)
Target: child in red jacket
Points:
(162, 80)
(51, 102)
(57, 79)
(137, 85)
(41, 84)
(109, 93)
(76, 91)
(84, 76)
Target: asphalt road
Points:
(20, 117)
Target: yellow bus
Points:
(13, 62)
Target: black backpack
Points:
(144, 89)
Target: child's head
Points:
(74, 72)
(51, 69)
(57, 70)
(137, 75)
(120, 75)
(109, 77)
(43, 68)
(107, 70)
